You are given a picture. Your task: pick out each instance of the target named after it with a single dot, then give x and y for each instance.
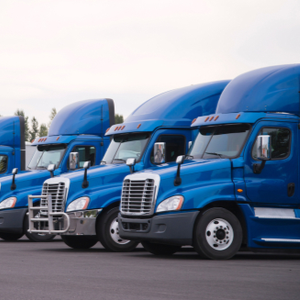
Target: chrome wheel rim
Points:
(114, 233)
(219, 234)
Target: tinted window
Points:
(175, 146)
(3, 163)
(280, 142)
(85, 153)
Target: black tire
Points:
(10, 236)
(108, 233)
(160, 249)
(36, 237)
(217, 228)
(79, 242)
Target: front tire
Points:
(218, 234)
(108, 233)
(160, 249)
(10, 236)
(79, 242)
(36, 237)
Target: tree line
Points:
(35, 130)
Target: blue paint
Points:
(264, 98)
(168, 114)
(79, 124)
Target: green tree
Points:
(20, 112)
(43, 130)
(119, 119)
(34, 128)
(52, 115)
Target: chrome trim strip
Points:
(281, 240)
(274, 213)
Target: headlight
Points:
(172, 203)
(79, 204)
(8, 203)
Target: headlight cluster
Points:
(8, 203)
(170, 204)
(79, 204)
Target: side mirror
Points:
(73, 160)
(86, 164)
(51, 169)
(190, 144)
(85, 182)
(263, 146)
(159, 153)
(179, 161)
(13, 185)
(130, 162)
(263, 143)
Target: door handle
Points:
(291, 189)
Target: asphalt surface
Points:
(54, 271)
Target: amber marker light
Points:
(238, 116)
(107, 129)
(240, 190)
(45, 139)
(211, 118)
(216, 118)
(123, 127)
(116, 129)
(139, 126)
(57, 138)
(194, 121)
(206, 119)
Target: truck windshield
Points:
(125, 146)
(45, 155)
(224, 141)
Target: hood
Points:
(24, 181)
(202, 181)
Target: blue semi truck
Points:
(238, 185)
(14, 151)
(76, 135)
(153, 135)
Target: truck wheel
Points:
(108, 233)
(10, 236)
(218, 234)
(36, 237)
(160, 249)
(79, 242)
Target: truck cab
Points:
(153, 135)
(14, 151)
(238, 185)
(76, 131)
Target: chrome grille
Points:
(137, 196)
(57, 192)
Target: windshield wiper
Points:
(215, 153)
(189, 156)
(119, 159)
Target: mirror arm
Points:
(177, 180)
(131, 169)
(257, 168)
(13, 185)
(51, 174)
(85, 183)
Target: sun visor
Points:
(271, 89)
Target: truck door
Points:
(277, 184)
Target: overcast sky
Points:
(56, 52)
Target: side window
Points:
(85, 153)
(3, 163)
(280, 142)
(175, 146)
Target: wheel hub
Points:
(219, 234)
(114, 233)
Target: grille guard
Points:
(32, 220)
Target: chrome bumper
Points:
(72, 223)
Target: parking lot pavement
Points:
(54, 271)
